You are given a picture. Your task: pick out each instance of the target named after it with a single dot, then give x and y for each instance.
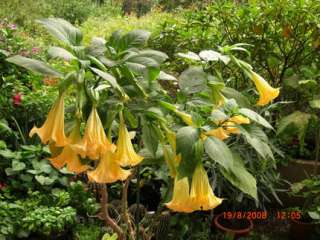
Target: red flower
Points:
(17, 99)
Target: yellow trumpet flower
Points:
(108, 170)
(69, 156)
(239, 119)
(180, 199)
(53, 128)
(201, 194)
(125, 154)
(218, 133)
(94, 142)
(266, 92)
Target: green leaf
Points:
(241, 178)
(239, 97)
(34, 65)
(258, 140)
(150, 137)
(18, 166)
(44, 180)
(63, 30)
(299, 120)
(110, 79)
(193, 80)
(145, 61)
(255, 117)
(314, 215)
(315, 103)
(218, 115)
(61, 53)
(185, 139)
(219, 152)
(166, 77)
(135, 39)
(158, 56)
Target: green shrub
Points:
(284, 34)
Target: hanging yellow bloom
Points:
(53, 128)
(125, 154)
(218, 133)
(201, 195)
(239, 119)
(266, 92)
(94, 142)
(180, 199)
(69, 156)
(108, 170)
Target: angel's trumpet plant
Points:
(108, 170)
(68, 156)
(94, 142)
(125, 154)
(52, 131)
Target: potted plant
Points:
(309, 190)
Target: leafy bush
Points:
(284, 34)
(23, 217)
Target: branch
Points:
(125, 207)
(108, 220)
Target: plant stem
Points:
(137, 220)
(105, 214)
(125, 207)
(315, 170)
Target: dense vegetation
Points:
(154, 109)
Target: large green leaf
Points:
(219, 152)
(63, 30)
(145, 61)
(239, 97)
(255, 117)
(241, 178)
(158, 56)
(34, 65)
(186, 139)
(134, 39)
(193, 80)
(258, 140)
(110, 79)
(58, 52)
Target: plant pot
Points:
(301, 230)
(233, 227)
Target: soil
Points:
(234, 223)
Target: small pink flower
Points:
(17, 99)
(35, 50)
(12, 26)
